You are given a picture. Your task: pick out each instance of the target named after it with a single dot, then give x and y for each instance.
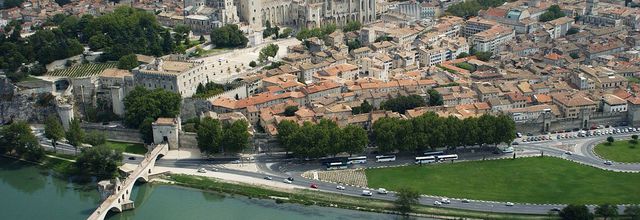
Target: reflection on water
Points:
(32, 193)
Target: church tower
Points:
(591, 7)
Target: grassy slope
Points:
(535, 180)
(620, 151)
(127, 147)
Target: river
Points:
(30, 192)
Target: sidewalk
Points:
(184, 153)
(227, 177)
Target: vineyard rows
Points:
(83, 70)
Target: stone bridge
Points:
(120, 199)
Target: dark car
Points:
(132, 158)
(290, 179)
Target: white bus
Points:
(337, 166)
(427, 159)
(357, 160)
(447, 157)
(385, 158)
(433, 153)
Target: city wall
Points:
(558, 124)
(116, 134)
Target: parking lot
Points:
(558, 135)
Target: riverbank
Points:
(319, 198)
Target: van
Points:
(366, 193)
(382, 191)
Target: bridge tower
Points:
(165, 130)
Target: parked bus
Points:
(328, 160)
(433, 153)
(357, 160)
(447, 157)
(337, 166)
(427, 159)
(385, 158)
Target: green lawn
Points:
(619, 151)
(534, 180)
(127, 147)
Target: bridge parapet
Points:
(120, 200)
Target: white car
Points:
(340, 187)
(608, 162)
(509, 204)
(445, 201)
(366, 193)
(202, 170)
(287, 181)
(437, 203)
(382, 191)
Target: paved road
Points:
(582, 151)
(270, 165)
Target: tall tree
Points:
(146, 130)
(270, 50)
(54, 131)
(406, 198)
(235, 136)
(18, 139)
(141, 103)
(228, 36)
(128, 62)
(384, 134)
(286, 128)
(99, 161)
(606, 211)
(95, 138)
(353, 139)
(209, 136)
(435, 99)
(576, 212)
(290, 110)
(75, 134)
(352, 26)
(633, 212)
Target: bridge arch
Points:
(120, 199)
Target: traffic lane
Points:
(357, 192)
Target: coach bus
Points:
(385, 158)
(357, 160)
(433, 153)
(427, 159)
(447, 157)
(337, 166)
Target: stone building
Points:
(179, 76)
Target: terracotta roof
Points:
(553, 56)
(166, 121)
(613, 100)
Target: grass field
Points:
(83, 70)
(127, 147)
(619, 151)
(533, 180)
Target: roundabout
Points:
(623, 151)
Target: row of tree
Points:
(216, 137)
(144, 106)
(322, 139)
(606, 211)
(430, 131)
(17, 139)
